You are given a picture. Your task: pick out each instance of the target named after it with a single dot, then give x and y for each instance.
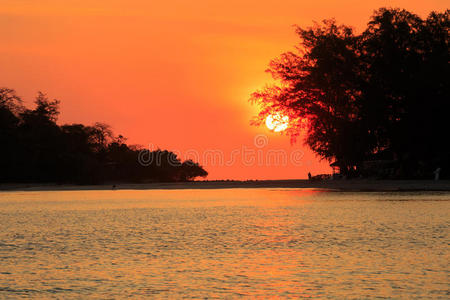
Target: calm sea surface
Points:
(224, 244)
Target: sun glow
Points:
(277, 122)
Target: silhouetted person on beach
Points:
(436, 174)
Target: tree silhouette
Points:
(36, 149)
(382, 93)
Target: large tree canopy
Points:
(359, 97)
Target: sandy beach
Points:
(337, 185)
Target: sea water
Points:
(224, 243)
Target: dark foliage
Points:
(379, 95)
(35, 149)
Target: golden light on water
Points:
(277, 122)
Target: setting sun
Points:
(277, 122)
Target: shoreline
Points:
(356, 185)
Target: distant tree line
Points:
(34, 148)
(374, 103)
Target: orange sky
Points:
(172, 74)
